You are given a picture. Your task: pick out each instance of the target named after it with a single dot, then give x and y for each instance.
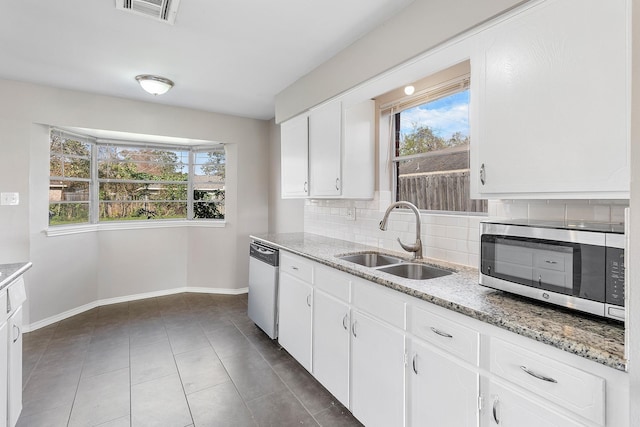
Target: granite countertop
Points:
(599, 340)
(10, 272)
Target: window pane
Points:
(116, 162)
(437, 132)
(142, 210)
(68, 191)
(68, 213)
(140, 191)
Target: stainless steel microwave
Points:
(575, 265)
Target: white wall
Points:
(419, 27)
(75, 270)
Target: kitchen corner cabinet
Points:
(294, 152)
(329, 152)
(295, 307)
(551, 115)
(14, 404)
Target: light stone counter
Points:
(596, 339)
(10, 272)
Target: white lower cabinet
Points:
(441, 391)
(14, 405)
(331, 319)
(294, 322)
(377, 372)
(4, 370)
(508, 408)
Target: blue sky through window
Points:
(445, 116)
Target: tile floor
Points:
(181, 360)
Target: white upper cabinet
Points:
(550, 102)
(330, 153)
(325, 137)
(294, 134)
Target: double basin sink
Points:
(395, 266)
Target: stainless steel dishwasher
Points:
(263, 287)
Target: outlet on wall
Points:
(11, 199)
(351, 214)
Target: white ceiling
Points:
(229, 56)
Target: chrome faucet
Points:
(416, 248)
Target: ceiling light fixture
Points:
(155, 85)
(408, 90)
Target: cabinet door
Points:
(331, 322)
(553, 110)
(508, 408)
(15, 367)
(358, 151)
(377, 372)
(294, 325)
(441, 391)
(294, 157)
(4, 369)
(325, 136)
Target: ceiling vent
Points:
(161, 10)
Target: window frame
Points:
(94, 202)
(394, 109)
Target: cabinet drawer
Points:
(379, 302)
(458, 340)
(564, 385)
(333, 282)
(296, 266)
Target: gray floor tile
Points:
(152, 361)
(160, 403)
(280, 409)
(221, 406)
(54, 417)
(101, 398)
(187, 338)
(252, 375)
(310, 392)
(337, 416)
(48, 391)
(118, 422)
(200, 369)
(228, 340)
(101, 360)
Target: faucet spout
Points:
(416, 247)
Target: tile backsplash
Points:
(447, 237)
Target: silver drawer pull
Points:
(293, 267)
(495, 411)
(353, 329)
(345, 321)
(442, 334)
(413, 363)
(538, 376)
(309, 300)
(551, 262)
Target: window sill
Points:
(64, 230)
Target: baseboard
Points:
(108, 301)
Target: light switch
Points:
(11, 199)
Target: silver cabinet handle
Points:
(551, 262)
(537, 375)
(337, 182)
(353, 329)
(293, 267)
(442, 334)
(309, 300)
(495, 411)
(345, 320)
(483, 175)
(306, 189)
(414, 364)
(17, 330)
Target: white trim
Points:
(132, 225)
(116, 300)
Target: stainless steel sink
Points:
(414, 271)
(371, 259)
